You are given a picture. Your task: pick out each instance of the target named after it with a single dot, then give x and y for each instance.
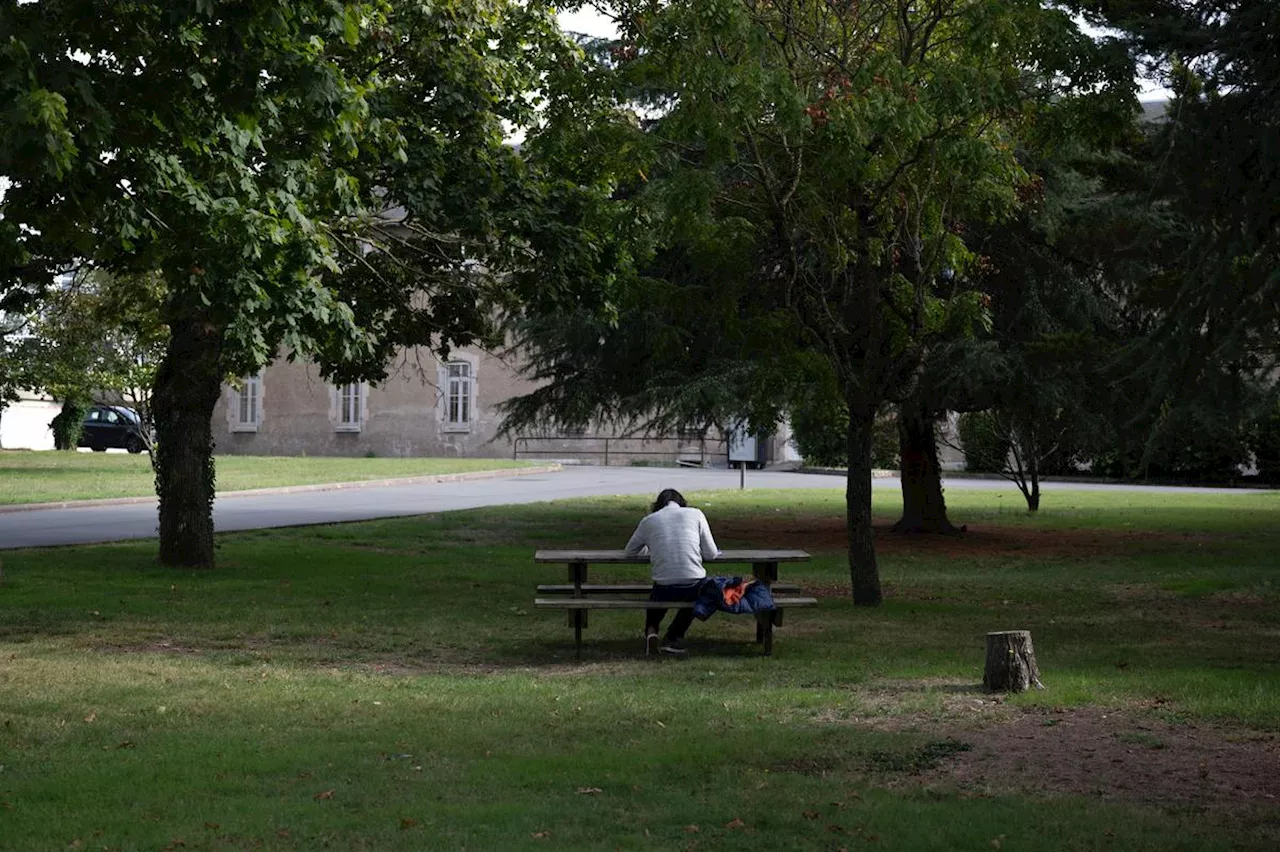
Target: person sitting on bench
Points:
(677, 538)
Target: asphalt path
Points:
(284, 508)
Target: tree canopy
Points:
(1211, 343)
(322, 178)
(800, 169)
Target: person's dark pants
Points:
(672, 593)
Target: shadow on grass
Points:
(615, 650)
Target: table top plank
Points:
(627, 589)
(620, 557)
(616, 603)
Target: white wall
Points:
(24, 425)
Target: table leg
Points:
(764, 631)
(579, 621)
(577, 618)
(767, 573)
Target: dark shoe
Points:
(675, 647)
(650, 643)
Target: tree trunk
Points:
(187, 387)
(923, 507)
(864, 573)
(1011, 662)
(1025, 451)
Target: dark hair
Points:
(669, 495)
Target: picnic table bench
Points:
(578, 596)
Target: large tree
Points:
(1210, 315)
(327, 178)
(803, 165)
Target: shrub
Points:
(986, 447)
(820, 433)
(1266, 444)
(68, 423)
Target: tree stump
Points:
(1011, 662)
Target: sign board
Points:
(742, 445)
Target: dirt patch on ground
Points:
(828, 533)
(1119, 755)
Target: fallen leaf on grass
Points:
(590, 791)
(212, 826)
(320, 797)
(811, 814)
(93, 714)
(735, 823)
(125, 744)
(407, 823)
(541, 835)
(283, 833)
(692, 829)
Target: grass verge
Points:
(46, 477)
(388, 685)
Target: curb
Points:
(876, 473)
(298, 489)
(1069, 480)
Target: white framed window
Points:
(350, 401)
(246, 404)
(458, 395)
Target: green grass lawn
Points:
(45, 477)
(388, 685)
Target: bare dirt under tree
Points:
(819, 534)
(1137, 754)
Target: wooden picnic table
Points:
(579, 596)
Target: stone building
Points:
(424, 408)
(429, 407)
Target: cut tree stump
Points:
(1011, 662)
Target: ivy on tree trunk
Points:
(187, 388)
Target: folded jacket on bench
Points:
(731, 594)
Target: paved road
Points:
(80, 525)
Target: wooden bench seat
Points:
(627, 588)
(578, 608)
(644, 603)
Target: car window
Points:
(113, 418)
(94, 415)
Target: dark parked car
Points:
(107, 426)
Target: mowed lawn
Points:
(45, 477)
(388, 685)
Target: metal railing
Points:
(611, 446)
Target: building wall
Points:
(403, 416)
(24, 425)
(298, 414)
(950, 452)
